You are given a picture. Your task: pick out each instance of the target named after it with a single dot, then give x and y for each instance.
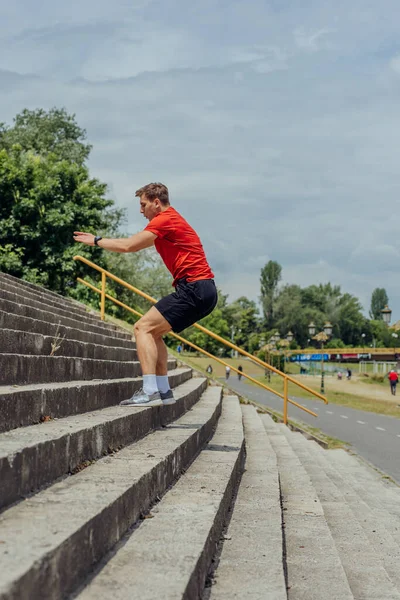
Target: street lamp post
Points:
(283, 344)
(272, 346)
(363, 347)
(262, 346)
(363, 340)
(386, 314)
(321, 337)
(269, 347)
(394, 336)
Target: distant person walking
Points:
(209, 369)
(348, 374)
(393, 379)
(240, 369)
(227, 372)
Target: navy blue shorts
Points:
(189, 303)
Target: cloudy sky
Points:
(274, 123)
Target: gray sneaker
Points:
(167, 397)
(139, 398)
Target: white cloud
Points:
(395, 63)
(312, 42)
(275, 145)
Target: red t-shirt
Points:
(393, 376)
(179, 246)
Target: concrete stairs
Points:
(341, 522)
(205, 498)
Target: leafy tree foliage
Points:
(53, 132)
(43, 201)
(270, 277)
(379, 300)
(295, 307)
(242, 315)
(47, 194)
(380, 335)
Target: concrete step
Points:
(8, 292)
(367, 476)
(32, 457)
(51, 541)
(21, 406)
(42, 314)
(36, 293)
(314, 569)
(372, 521)
(251, 563)
(53, 299)
(24, 369)
(28, 324)
(39, 289)
(14, 341)
(169, 555)
(365, 572)
(107, 328)
(381, 496)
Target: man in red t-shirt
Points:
(393, 379)
(195, 293)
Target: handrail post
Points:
(285, 399)
(103, 296)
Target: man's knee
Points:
(142, 326)
(156, 327)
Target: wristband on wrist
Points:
(97, 239)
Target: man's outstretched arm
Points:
(139, 241)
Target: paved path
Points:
(375, 437)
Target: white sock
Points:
(163, 383)
(150, 384)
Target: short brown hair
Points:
(153, 191)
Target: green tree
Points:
(381, 334)
(350, 321)
(271, 275)
(335, 343)
(295, 307)
(242, 318)
(43, 201)
(379, 300)
(53, 132)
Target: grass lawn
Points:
(359, 401)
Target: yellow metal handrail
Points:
(287, 378)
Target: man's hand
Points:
(84, 238)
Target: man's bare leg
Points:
(162, 373)
(148, 333)
(162, 358)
